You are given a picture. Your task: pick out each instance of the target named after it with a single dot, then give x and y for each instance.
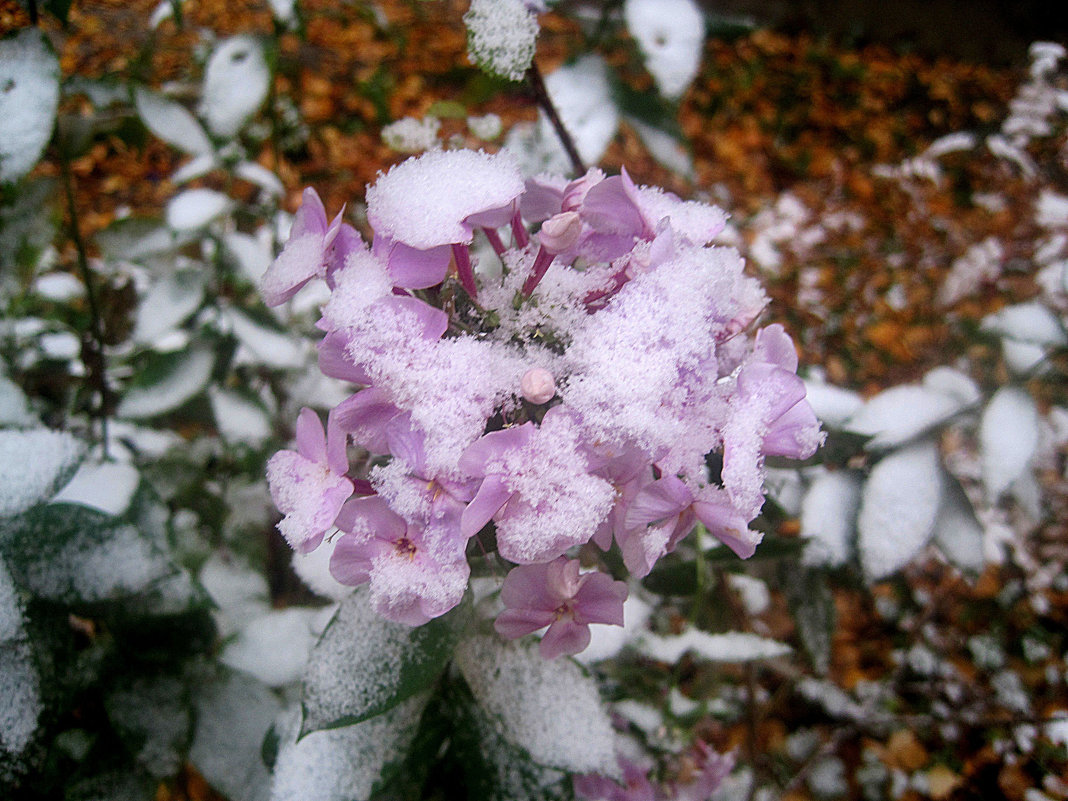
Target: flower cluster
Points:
(581, 373)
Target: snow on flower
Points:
(578, 394)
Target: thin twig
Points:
(541, 97)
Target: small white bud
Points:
(537, 385)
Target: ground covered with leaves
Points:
(932, 680)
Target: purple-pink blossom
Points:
(557, 595)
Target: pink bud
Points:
(560, 232)
(537, 385)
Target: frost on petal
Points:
(671, 36)
(29, 95)
(1008, 438)
(898, 508)
(310, 495)
(424, 201)
(236, 81)
(501, 37)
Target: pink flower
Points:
(307, 252)
(636, 785)
(416, 573)
(556, 595)
(310, 485)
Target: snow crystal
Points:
(29, 77)
(106, 486)
(731, 646)
(423, 201)
(501, 36)
(899, 506)
(583, 99)
(671, 35)
(828, 515)
(195, 208)
(412, 134)
(32, 463)
(342, 764)
(236, 81)
(274, 648)
(187, 379)
(548, 707)
(1008, 438)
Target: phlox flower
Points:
(636, 785)
(309, 486)
(557, 595)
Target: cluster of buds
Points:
(586, 374)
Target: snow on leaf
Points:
(260, 176)
(664, 147)
(1008, 438)
(20, 702)
(236, 81)
(549, 708)
(583, 99)
(274, 646)
(501, 37)
(14, 406)
(29, 95)
(343, 764)
(195, 208)
(171, 122)
(173, 381)
(1030, 322)
(731, 646)
(898, 508)
(263, 345)
(901, 413)
(105, 486)
(828, 517)
(958, 534)
(364, 664)
(167, 304)
(239, 418)
(151, 715)
(252, 254)
(33, 465)
(671, 36)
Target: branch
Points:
(545, 103)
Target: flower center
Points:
(405, 547)
(563, 610)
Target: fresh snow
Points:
(731, 646)
(1008, 438)
(105, 486)
(828, 517)
(29, 77)
(32, 465)
(236, 81)
(671, 36)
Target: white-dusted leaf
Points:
(135, 238)
(107, 487)
(953, 383)
(958, 534)
(668, 150)
(671, 36)
(233, 713)
(1008, 438)
(275, 646)
(236, 81)
(170, 301)
(171, 122)
(343, 764)
(284, 10)
(20, 700)
(238, 417)
(549, 708)
(33, 465)
(901, 413)
(583, 99)
(252, 253)
(731, 646)
(195, 208)
(829, 516)
(313, 569)
(1023, 358)
(898, 508)
(29, 95)
(239, 592)
(263, 178)
(152, 715)
(195, 168)
(1027, 322)
(179, 378)
(263, 345)
(14, 405)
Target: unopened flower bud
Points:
(560, 232)
(575, 192)
(537, 385)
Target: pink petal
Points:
(657, 501)
(334, 362)
(418, 269)
(350, 563)
(371, 516)
(729, 527)
(491, 496)
(564, 637)
(794, 434)
(494, 445)
(366, 416)
(600, 600)
(541, 200)
(336, 445)
(434, 322)
(515, 623)
(310, 217)
(311, 440)
(609, 208)
(525, 587)
(491, 218)
(774, 345)
(300, 261)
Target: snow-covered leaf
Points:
(195, 208)
(260, 176)
(150, 713)
(29, 95)
(898, 508)
(1031, 322)
(195, 168)
(33, 465)
(901, 413)
(666, 148)
(168, 382)
(233, 714)
(171, 122)
(108, 487)
(343, 764)
(731, 646)
(812, 605)
(239, 418)
(14, 406)
(365, 665)
(1008, 437)
(239, 592)
(134, 238)
(20, 701)
(829, 516)
(958, 533)
(236, 81)
(275, 646)
(261, 344)
(252, 254)
(671, 36)
(583, 99)
(549, 708)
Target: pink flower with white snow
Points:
(557, 595)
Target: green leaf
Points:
(167, 382)
(812, 605)
(364, 665)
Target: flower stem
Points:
(541, 97)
